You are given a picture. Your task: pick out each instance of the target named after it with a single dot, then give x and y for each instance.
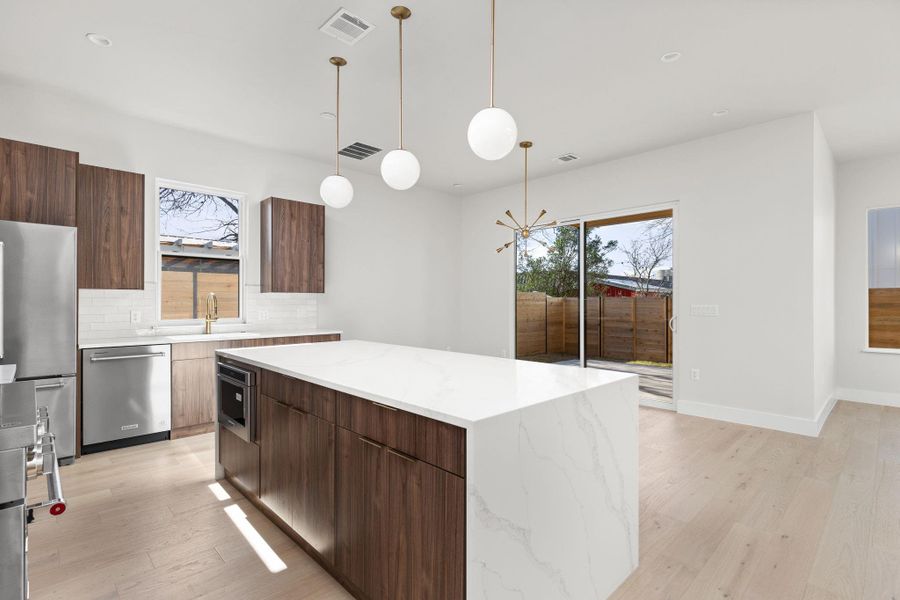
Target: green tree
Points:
(555, 272)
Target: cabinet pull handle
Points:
(370, 442)
(385, 406)
(401, 455)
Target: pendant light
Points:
(493, 131)
(336, 190)
(400, 167)
(524, 229)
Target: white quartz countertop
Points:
(449, 386)
(149, 340)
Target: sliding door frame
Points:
(635, 211)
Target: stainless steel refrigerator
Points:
(39, 318)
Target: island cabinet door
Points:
(400, 523)
(361, 502)
(275, 470)
(312, 448)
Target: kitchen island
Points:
(413, 473)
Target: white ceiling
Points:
(580, 76)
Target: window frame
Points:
(243, 213)
(868, 249)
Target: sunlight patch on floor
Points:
(218, 491)
(256, 541)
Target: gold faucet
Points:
(212, 311)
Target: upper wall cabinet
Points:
(110, 229)
(37, 183)
(292, 238)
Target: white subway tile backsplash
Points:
(104, 314)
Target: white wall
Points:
(862, 376)
(390, 256)
(823, 298)
(744, 241)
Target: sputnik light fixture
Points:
(400, 168)
(492, 131)
(524, 229)
(336, 190)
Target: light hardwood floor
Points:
(727, 511)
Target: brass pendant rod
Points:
(493, 17)
(337, 129)
(526, 186)
(401, 83)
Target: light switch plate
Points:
(695, 374)
(704, 310)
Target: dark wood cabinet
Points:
(240, 459)
(297, 454)
(292, 246)
(37, 183)
(361, 503)
(110, 229)
(400, 523)
(389, 524)
(312, 449)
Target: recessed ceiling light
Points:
(327, 115)
(670, 57)
(720, 113)
(98, 40)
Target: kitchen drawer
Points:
(302, 395)
(441, 444)
(431, 441)
(380, 423)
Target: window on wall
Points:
(200, 251)
(884, 278)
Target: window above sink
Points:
(200, 251)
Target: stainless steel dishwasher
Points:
(127, 396)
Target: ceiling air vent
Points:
(346, 27)
(359, 151)
(566, 158)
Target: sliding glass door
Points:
(598, 293)
(548, 289)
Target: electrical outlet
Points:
(135, 316)
(704, 310)
(263, 315)
(695, 374)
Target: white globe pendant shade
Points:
(400, 169)
(492, 133)
(336, 191)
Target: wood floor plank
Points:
(727, 573)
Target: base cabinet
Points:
(297, 452)
(240, 459)
(389, 524)
(400, 523)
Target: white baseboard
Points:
(826, 410)
(755, 418)
(869, 397)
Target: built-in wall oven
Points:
(236, 392)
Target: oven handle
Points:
(49, 386)
(241, 384)
(55, 499)
(127, 356)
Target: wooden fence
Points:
(618, 328)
